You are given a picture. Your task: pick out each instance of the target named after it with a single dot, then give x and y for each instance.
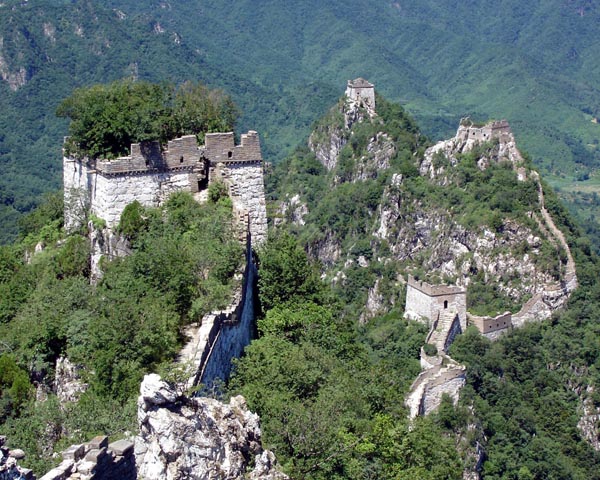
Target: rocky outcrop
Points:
(105, 244)
(198, 438)
(328, 139)
(292, 209)
(445, 154)
(589, 422)
(379, 153)
(509, 254)
(68, 384)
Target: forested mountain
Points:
(373, 204)
(282, 63)
(364, 203)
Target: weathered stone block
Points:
(121, 447)
(95, 455)
(96, 443)
(16, 453)
(74, 452)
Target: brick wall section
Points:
(96, 460)
(487, 324)
(150, 175)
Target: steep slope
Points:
(474, 213)
(464, 211)
(281, 63)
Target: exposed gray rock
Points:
(9, 468)
(67, 381)
(155, 392)
(589, 423)
(198, 438)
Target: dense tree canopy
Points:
(106, 119)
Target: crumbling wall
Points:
(247, 191)
(222, 335)
(232, 338)
(111, 194)
(150, 175)
(76, 192)
(487, 325)
(97, 460)
(361, 91)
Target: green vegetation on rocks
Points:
(183, 264)
(107, 119)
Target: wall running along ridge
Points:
(222, 335)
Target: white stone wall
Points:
(418, 305)
(366, 94)
(233, 338)
(248, 193)
(110, 195)
(76, 195)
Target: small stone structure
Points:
(361, 91)
(425, 302)
(494, 130)
(490, 325)
(96, 460)
(150, 174)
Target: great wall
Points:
(443, 307)
(149, 175)
(104, 188)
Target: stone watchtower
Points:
(427, 303)
(362, 92)
(151, 173)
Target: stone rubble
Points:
(9, 468)
(67, 381)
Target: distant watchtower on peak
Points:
(361, 91)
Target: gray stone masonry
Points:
(425, 302)
(96, 460)
(361, 91)
(487, 325)
(149, 175)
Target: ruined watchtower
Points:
(425, 302)
(362, 92)
(151, 173)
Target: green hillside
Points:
(533, 63)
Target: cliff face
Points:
(198, 438)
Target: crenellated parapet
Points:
(220, 147)
(152, 172)
(499, 129)
(488, 325)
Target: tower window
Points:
(445, 303)
(229, 154)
